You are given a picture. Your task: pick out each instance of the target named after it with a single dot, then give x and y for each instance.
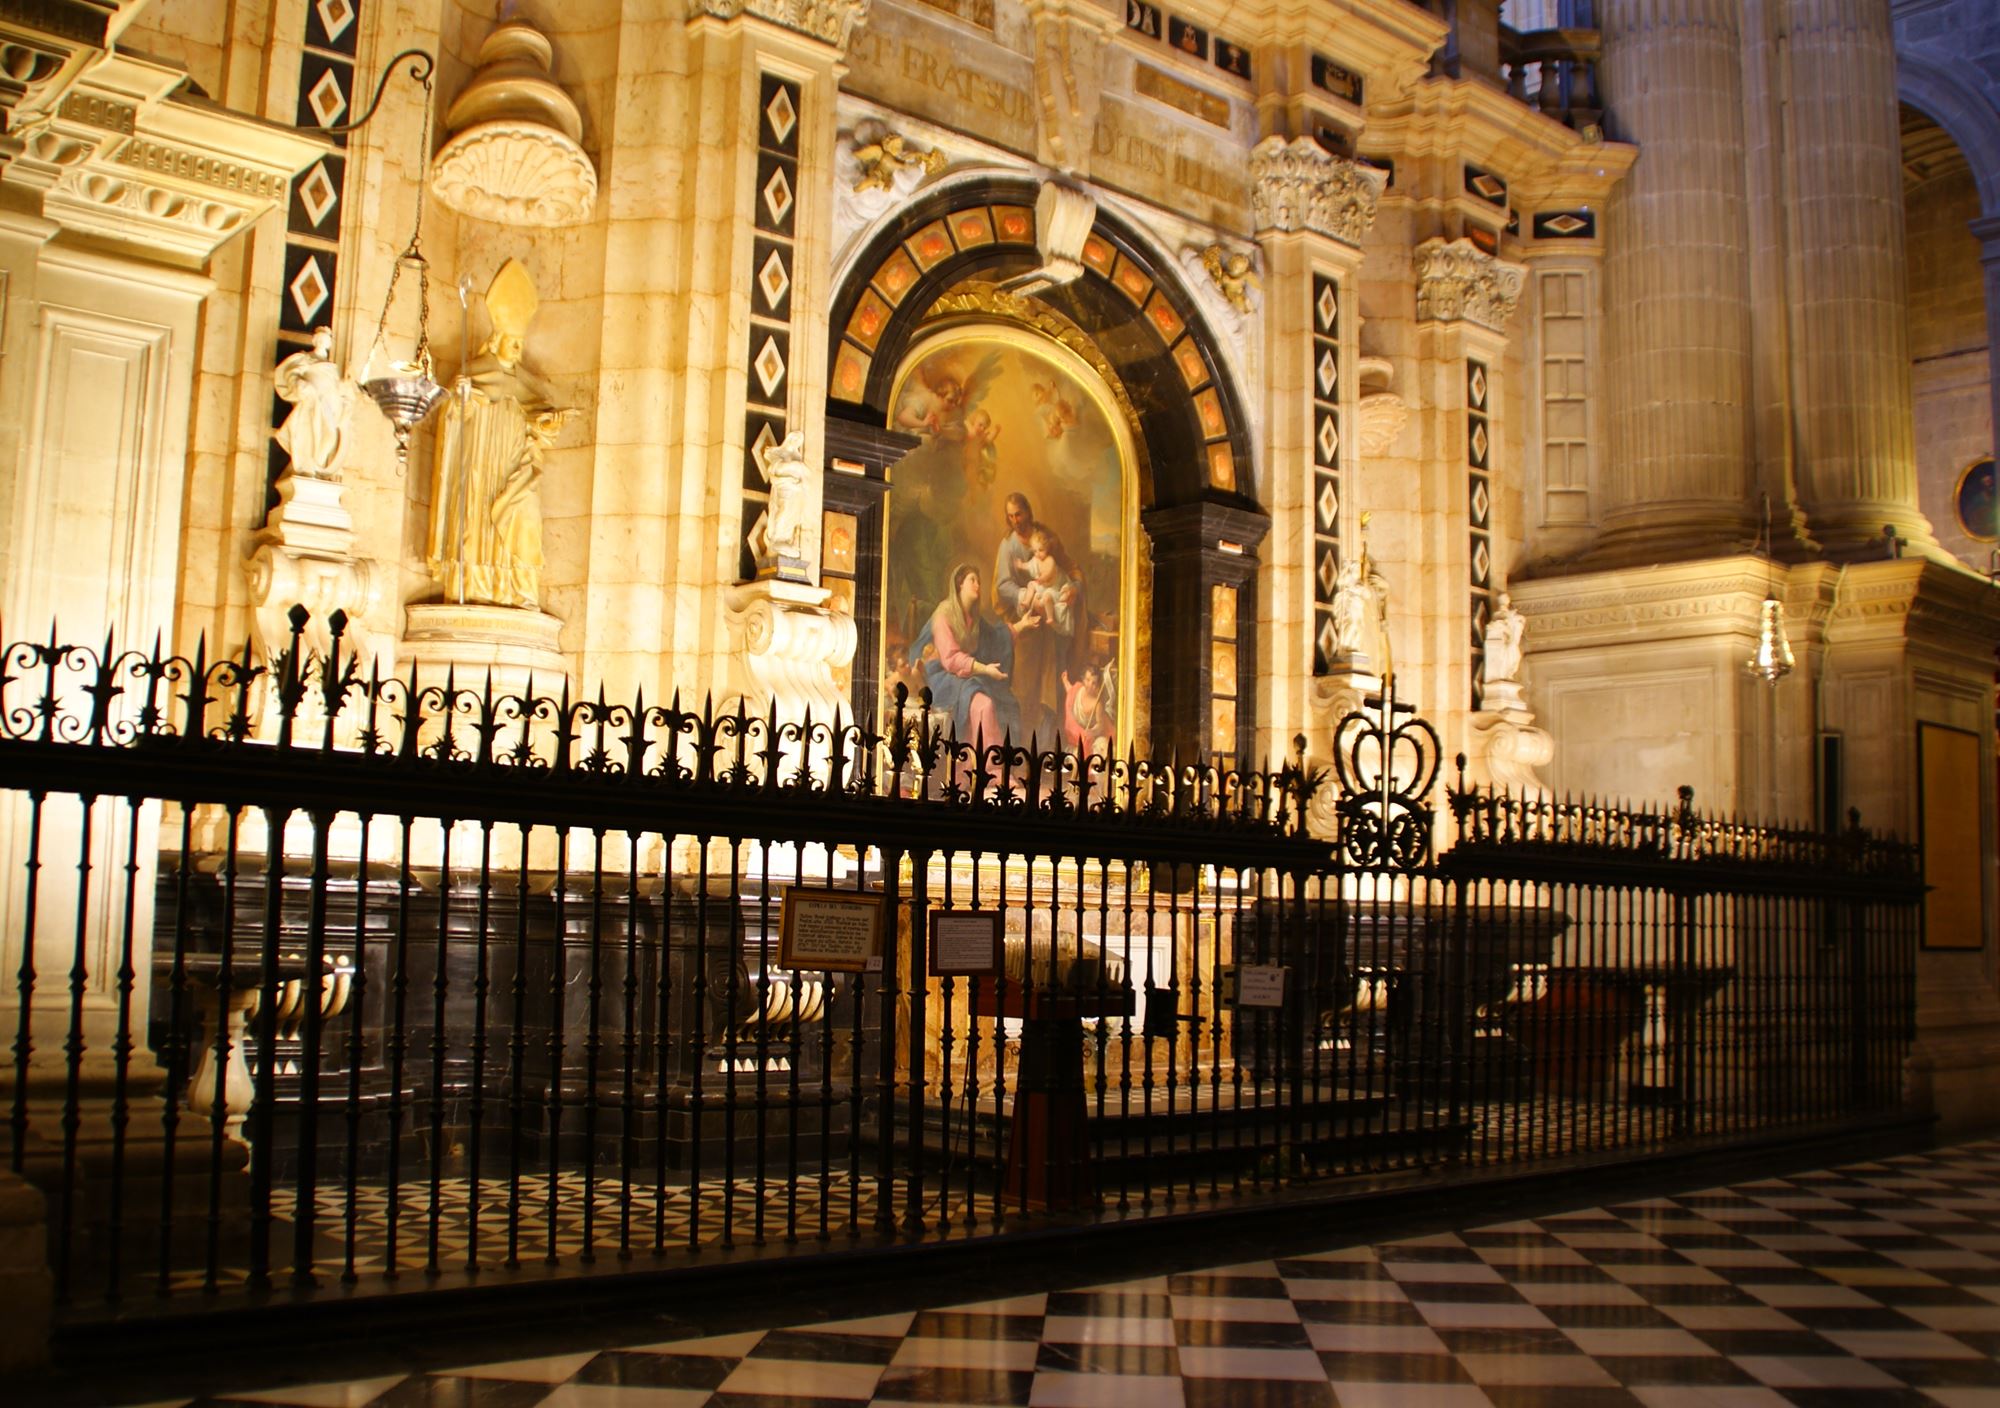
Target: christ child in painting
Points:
(1050, 592)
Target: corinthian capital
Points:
(1300, 185)
(1458, 281)
(833, 21)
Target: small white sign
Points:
(1260, 985)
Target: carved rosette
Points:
(1459, 282)
(1300, 185)
(832, 21)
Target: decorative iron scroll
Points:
(1598, 827)
(1386, 759)
(385, 726)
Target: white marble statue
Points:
(485, 542)
(782, 549)
(1503, 645)
(1358, 605)
(314, 435)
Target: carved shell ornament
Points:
(515, 154)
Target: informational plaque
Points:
(836, 930)
(965, 943)
(1260, 985)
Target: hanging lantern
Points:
(407, 392)
(1773, 660)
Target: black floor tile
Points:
(1858, 1398)
(1609, 1317)
(1846, 1317)
(829, 1348)
(1130, 1304)
(1203, 1284)
(638, 1370)
(1559, 1396)
(1784, 1343)
(920, 1384)
(1463, 1292)
(1359, 1312)
(1264, 1393)
(964, 1325)
(1381, 1367)
(1942, 1373)
(1242, 1334)
(1700, 1293)
(449, 1391)
(1648, 1370)
(1332, 1270)
(1525, 1340)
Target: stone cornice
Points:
(1300, 185)
(829, 21)
(1914, 600)
(1459, 282)
(117, 154)
(1475, 121)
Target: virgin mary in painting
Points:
(967, 658)
(1020, 467)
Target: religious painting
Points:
(1007, 581)
(1975, 503)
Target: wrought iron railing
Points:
(321, 977)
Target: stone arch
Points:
(1962, 112)
(1196, 440)
(1198, 506)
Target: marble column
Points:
(1843, 188)
(1678, 449)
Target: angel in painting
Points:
(1058, 411)
(944, 392)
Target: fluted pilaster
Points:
(1856, 447)
(1678, 461)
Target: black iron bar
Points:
(482, 988)
(593, 1045)
(305, 1204)
(176, 1052)
(440, 1049)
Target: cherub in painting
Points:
(944, 392)
(1058, 411)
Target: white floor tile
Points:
(1105, 1391)
(551, 1370)
(803, 1378)
(1237, 1362)
(349, 1394)
(1108, 1329)
(1261, 1309)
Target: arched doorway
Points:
(1951, 370)
(1171, 582)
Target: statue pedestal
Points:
(787, 646)
(1333, 699)
(518, 647)
(1505, 746)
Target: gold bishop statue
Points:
(485, 542)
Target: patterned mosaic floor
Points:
(1876, 1284)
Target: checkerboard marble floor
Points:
(1873, 1284)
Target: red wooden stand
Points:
(1048, 1144)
